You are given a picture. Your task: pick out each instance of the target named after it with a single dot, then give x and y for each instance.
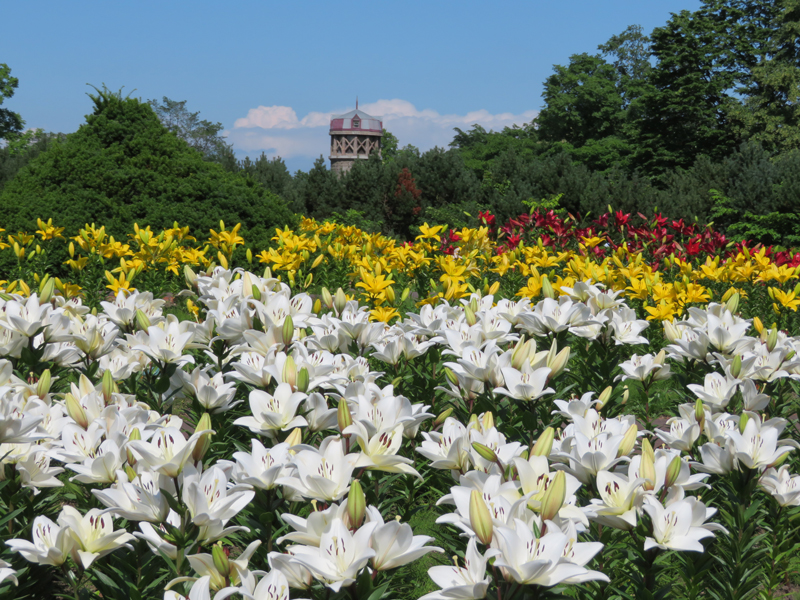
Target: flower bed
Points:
(273, 444)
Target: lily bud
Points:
(135, 435)
(256, 292)
(604, 397)
(404, 296)
(190, 276)
(647, 466)
(671, 332)
(758, 325)
(484, 451)
(390, 295)
(317, 308)
(772, 339)
(544, 444)
(700, 414)
(130, 473)
(628, 441)
(779, 461)
(75, 410)
(547, 288)
(288, 330)
(302, 380)
(295, 437)
(451, 377)
(520, 354)
(554, 496)
(107, 385)
(733, 303)
(356, 505)
(469, 316)
(339, 301)
(221, 562)
(487, 420)
(289, 374)
(142, 320)
(204, 443)
(736, 366)
(559, 361)
(473, 305)
(46, 293)
(473, 422)
(343, 416)
(743, 421)
(673, 470)
(43, 385)
(625, 394)
(442, 417)
(327, 299)
(479, 518)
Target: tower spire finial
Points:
(356, 102)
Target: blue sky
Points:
(273, 72)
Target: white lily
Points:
(52, 543)
(93, 533)
(211, 502)
(323, 474)
(167, 451)
(680, 525)
(139, 500)
(396, 545)
(273, 413)
(379, 452)
(469, 582)
(783, 486)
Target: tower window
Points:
(356, 123)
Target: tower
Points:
(354, 136)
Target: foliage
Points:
(11, 123)
(202, 135)
(123, 166)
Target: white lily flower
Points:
(273, 413)
(324, 474)
(166, 342)
(212, 393)
(647, 368)
(6, 572)
(527, 384)
(139, 500)
(340, 557)
(103, 467)
(757, 445)
(211, 502)
(448, 449)
(396, 545)
(167, 451)
(620, 497)
(469, 582)
(716, 391)
(680, 525)
(275, 586)
(52, 543)
(539, 561)
(379, 452)
(263, 466)
(783, 486)
(93, 533)
(200, 591)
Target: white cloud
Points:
(277, 130)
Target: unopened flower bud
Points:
(521, 353)
(75, 410)
(469, 316)
(544, 444)
(547, 288)
(736, 366)
(131, 474)
(673, 470)
(343, 416)
(733, 303)
(442, 417)
(647, 465)
(758, 325)
(317, 308)
(473, 304)
(404, 296)
(559, 361)
(451, 377)
(43, 385)
(743, 421)
(700, 414)
(204, 443)
(604, 397)
(671, 332)
(473, 422)
(628, 441)
(190, 276)
(479, 518)
(487, 420)
(295, 437)
(221, 562)
(46, 291)
(390, 295)
(134, 436)
(142, 320)
(625, 394)
(772, 339)
(554, 496)
(289, 374)
(339, 301)
(356, 505)
(302, 380)
(327, 299)
(107, 385)
(287, 331)
(484, 451)
(256, 291)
